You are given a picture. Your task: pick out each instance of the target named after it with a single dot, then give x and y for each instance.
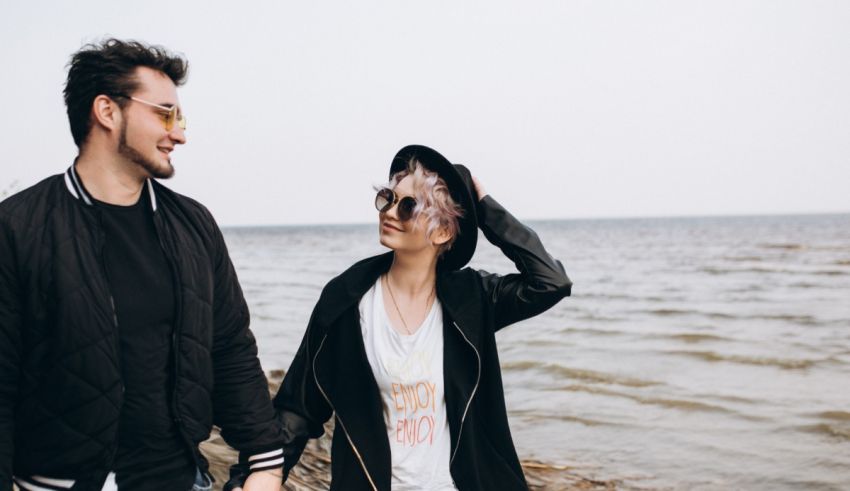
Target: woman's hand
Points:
(479, 189)
(270, 480)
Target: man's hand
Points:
(270, 480)
(479, 189)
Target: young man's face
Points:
(144, 139)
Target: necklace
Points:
(392, 297)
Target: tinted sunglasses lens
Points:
(174, 118)
(384, 200)
(405, 208)
(171, 119)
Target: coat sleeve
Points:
(300, 404)
(241, 403)
(11, 346)
(301, 410)
(541, 281)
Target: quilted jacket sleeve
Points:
(241, 403)
(11, 325)
(541, 281)
(301, 407)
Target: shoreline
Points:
(313, 470)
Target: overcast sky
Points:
(564, 109)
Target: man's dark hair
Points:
(108, 68)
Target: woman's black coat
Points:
(331, 375)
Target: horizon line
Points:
(573, 219)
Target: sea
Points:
(694, 353)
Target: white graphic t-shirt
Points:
(409, 372)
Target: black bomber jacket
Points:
(60, 383)
(331, 376)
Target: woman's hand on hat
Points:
(479, 189)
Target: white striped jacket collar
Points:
(75, 187)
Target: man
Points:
(123, 329)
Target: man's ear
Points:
(106, 113)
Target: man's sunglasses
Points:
(386, 199)
(172, 115)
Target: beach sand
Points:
(313, 470)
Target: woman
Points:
(401, 347)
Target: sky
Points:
(563, 109)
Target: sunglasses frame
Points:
(404, 213)
(174, 116)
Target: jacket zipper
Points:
(474, 390)
(116, 336)
(114, 310)
(347, 436)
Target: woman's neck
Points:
(413, 276)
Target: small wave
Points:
(835, 431)
(743, 258)
(806, 320)
(682, 312)
(697, 338)
(578, 373)
(599, 318)
(715, 271)
(683, 404)
(842, 262)
(711, 356)
(537, 416)
(834, 415)
(584, 421)
(593, 332)
(609, 296)
(783, 246)
(670, 312)
(728, 398)
(803, 284)
(624, 297)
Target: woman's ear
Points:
(440, 236)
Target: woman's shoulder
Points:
(349, 286)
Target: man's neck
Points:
(107, 179)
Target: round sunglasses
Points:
(387, 198)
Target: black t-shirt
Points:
(149, 444)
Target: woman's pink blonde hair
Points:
(433, 201)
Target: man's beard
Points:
(151, 167)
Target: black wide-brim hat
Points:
(462, 190)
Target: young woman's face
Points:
(407, 236)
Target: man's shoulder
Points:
(169, 197)
(22, 205)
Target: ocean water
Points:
(695, 353)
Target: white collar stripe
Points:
(70, 186)
(63, 483)
(79, 187)
(32, 485)
(153, 195)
